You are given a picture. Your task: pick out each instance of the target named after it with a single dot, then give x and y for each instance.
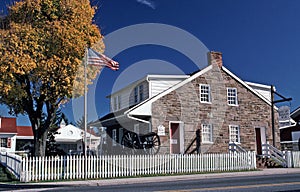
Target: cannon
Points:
(134, 143)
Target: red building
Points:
(13, 137)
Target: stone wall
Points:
(183, 105)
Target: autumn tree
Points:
(42, 45)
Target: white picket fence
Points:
(77, 167)
(94, 167)
(296, 159)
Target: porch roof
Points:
(24, 131)
(115, 114)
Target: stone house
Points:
(213, 102)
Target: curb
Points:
(136, 180)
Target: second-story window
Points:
(115, 103)
(141, 93)
(119, 102)
(136, 94)
(232, 96)
(205, 93)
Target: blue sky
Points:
(259, 39)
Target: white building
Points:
(71, 138)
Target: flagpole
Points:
(85, 101)
(85, 111)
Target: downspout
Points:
(149, 87)
(140, 120)
(137, 119)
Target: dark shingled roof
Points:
(115, 114)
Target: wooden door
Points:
(175, 138)
(258, 141)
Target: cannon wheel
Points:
(155, 142)
(130, 142)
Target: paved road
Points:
(266, 180)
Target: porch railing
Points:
(12, 162)
(276, 155)
(233, 147)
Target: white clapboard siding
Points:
(158, 86)
(93, 167)
(264, 90)
(126, 96)
(152, 85)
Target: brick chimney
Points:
(215, 58)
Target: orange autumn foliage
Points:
(42, 44)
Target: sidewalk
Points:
(105, 182)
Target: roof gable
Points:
(144, 108)
(246, 85)
(296, 114)
(72, 134)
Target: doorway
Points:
(176, 138)
(260, 134)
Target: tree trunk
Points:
(41, 120)
(40, 136)
(40, 144)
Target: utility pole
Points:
(272, 114)
(272, 109)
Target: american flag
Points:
(98, 59)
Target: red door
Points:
(175, 138)
(258, 141)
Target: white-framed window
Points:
(115, 104)
(207, 133)
(114, 137)
(136, 94)
(205, 93)
(3, 142)
(136, 128)
(234, 134)
(119, 101)
(141, 92)
(232, 96)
